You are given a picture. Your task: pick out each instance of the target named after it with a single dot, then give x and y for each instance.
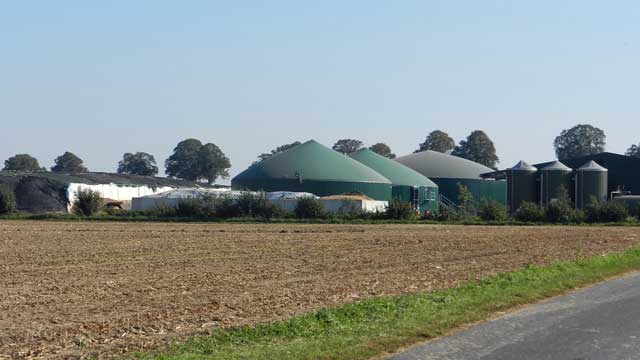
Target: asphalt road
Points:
(600, 322)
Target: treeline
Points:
(192, 160)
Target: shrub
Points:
(226, 207)
(530, 212)
(449, 213)
(613, 211)
(466, 201)
(559, 212)
(7, 201)
(190, 208)
(492, 211)
(87, 203)
(310, 208)
(162, 211)
(400, 210)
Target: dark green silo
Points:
(592, 181)
(555, 182)
(521, 185)
(408, 185)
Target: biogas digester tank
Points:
(591, 183)
(521, 185)
(555, 179)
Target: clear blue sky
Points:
(103, 78)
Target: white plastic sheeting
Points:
(284, 199)
(113, 191)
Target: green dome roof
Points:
(392, 170)
(311, 161)
(435, 165)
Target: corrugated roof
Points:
(312, 161)
(591, 166)
(392, 170)
(436, 165)
(556, 166)
(523, 166)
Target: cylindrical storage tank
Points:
(555, 179)
(592, 183)
(521, 185)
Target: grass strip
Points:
(380, 326)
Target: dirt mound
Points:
(347, 196)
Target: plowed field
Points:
(73, 289)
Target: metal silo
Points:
(553, 178)
(521, 185)
(591, 183)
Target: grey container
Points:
(592, 182)
(521, 185)
(555, 179)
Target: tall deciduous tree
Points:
(479, 148)
(69, 163)
(191, 160)
(139, 163)
(634, 151)
(213, 163)
(438, 141)
(580, 140)
(22, 162)
(383, 149)
(277, 150)
(347, 146)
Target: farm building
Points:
(53, 192)
(313, 168)
(407, 184)
(448, 171)
(601, 176)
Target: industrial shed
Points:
(407, 184)
(447, 171)
(314, 168)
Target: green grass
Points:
(379, 326)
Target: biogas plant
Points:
(428, 179)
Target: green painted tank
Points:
(521, 185)
(407, 184)
(592, 182)
(555, 179)
(314, 168)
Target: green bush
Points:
(7, 201)
(87, 203)
(310, 208)
(449, 213)
(492, 211)
(190, 208)
(613, 211)
(257, 206)
(559, 212)
(530, 212)
(226, 207)
(400, 210)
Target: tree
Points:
(347, 146)
(69, 163)
(634, 151)
(22, 162)
(383, 149)
(139, 163)
(278, 150)
(580, 140)
(479, 148)
(438, 141)
(213, 163)
(191, 160)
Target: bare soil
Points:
(75, 289)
